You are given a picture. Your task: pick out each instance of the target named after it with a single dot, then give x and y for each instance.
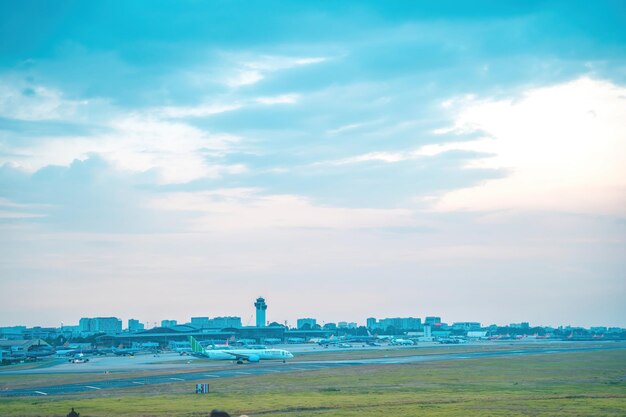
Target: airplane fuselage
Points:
(258, 354)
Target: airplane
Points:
(239, 355)
(33, 354)
(402, 342)
(125, 352)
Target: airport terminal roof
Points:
(25, 344)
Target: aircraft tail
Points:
(196, 347)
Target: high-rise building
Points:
(371, 323)
(200, 322)
(399, 323)
(108, 325)
(432, 321)
(225, 322)
(260, 311)
(135, 325)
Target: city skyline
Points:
(342, 159)
(292, 323)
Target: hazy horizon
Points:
(342, 159)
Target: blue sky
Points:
(342, 159)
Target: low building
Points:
(466, 325)
(309, 323)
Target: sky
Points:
(344, 160)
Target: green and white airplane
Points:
(239, 355)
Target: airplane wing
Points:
(237, 355)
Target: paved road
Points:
(272, 368)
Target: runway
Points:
(208, 375)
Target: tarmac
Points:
(215, 371)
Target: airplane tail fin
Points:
(196, 347)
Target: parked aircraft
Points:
(125, 352)
(33, 354)
(239, 355)
(402, 342)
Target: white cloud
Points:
(202, 110)
(247, 209)
(12, 210)
(399, 156)
(243, 77)
(565, 146)
(177, 151)
(281, 99)
(252, 70)
(23, 101)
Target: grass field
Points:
(567, 384)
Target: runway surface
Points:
(208, 375)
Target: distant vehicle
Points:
(373, 344)
(344, 345)
(78, 360)
(239, 355)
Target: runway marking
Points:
(139, 383)
(212, 376)
(176, 379)
(243, 373)
(41, 393)
(92, 387)
(272, 370)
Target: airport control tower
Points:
(260, 311)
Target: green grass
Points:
(567, 384)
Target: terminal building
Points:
(306, 323)
(218, 330)
(214, 323)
